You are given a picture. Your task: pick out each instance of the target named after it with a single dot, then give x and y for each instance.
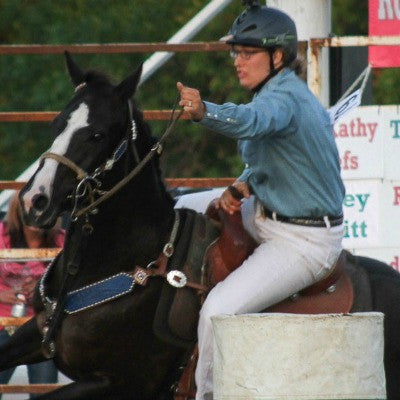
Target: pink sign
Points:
(384, 20)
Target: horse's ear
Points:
(126, 89)
(76, 74)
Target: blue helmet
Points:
(262, 26)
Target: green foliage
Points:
(350, 17)
(386, 83)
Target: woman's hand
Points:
(8, 296)
(230, 201)
(28, 287)
(191, 101)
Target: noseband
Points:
(86, 181)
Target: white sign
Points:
(360, 138)
(360, 208)
(371, 214)
(368, 140)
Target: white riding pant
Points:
(288, 259)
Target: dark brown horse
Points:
(91, 315)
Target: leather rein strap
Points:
(80, 173)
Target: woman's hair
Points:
(14, 223)
(298, 65)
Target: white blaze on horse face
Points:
(43, 181)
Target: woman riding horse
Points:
(292, 167)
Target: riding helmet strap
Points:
(272, 70)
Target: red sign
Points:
(384, 20)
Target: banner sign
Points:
(368, 140)
(384, 20)
(371, 214)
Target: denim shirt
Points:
(287, 144)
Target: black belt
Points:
(317, 222)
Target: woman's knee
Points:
(210, 308)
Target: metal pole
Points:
(313, 20)
(183, 35)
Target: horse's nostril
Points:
(39, 202)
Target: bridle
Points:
(89, 184)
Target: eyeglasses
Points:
(244, 54)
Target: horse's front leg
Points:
(23, 347)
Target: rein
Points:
(80, 173)
(84, 177)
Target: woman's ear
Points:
(278, 58)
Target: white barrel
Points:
(289, 356)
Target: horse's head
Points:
(95, 126)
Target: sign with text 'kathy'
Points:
(371, 214)
(368, 140)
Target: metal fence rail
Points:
(32, 388)
(46, 116)
(111, 48)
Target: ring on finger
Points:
(190, 103)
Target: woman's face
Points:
(252, 65)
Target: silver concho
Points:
(176, 279)
(134, 130)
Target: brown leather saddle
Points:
(333, 294)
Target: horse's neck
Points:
(130, 229)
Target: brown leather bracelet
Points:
(234, 192)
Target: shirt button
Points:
(215, 116)
(208, 114)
